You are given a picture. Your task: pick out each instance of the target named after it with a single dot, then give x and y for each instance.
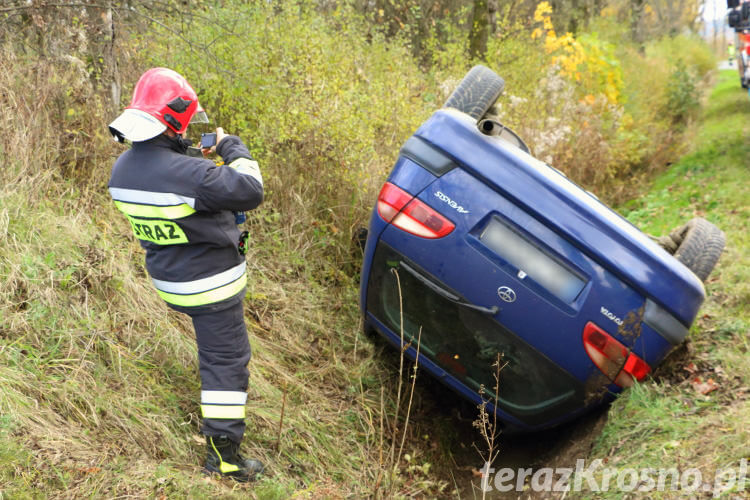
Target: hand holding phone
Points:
(209, 141)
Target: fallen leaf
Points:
(89, 470)
(704, 387)
(690, 368)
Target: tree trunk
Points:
(574, 16)
(479, 30)
(492, 7)
(636, 23)
(111, 73)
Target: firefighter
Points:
(181, 210)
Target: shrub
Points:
(682, 93)
(595, 106)
(324, 106)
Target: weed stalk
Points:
(281, 419)
(488, 429)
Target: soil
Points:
(448, 420)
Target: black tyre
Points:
(477, 92)
(698, 244)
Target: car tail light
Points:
(410, 214)
(612, 358)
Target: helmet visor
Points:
(200, 115)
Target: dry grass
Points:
(99, 378)
(668, 422)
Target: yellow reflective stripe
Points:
(225, 467)
(154, 212)
(209, 297)
(221, 411)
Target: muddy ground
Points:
(446, 422)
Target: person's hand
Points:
(220, 135)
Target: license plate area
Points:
(530, 262)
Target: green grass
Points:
(100, 382)
(665, 422)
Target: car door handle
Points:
(445, 293)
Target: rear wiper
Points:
(445, 293)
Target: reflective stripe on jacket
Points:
(181, 210)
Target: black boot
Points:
(224, 457)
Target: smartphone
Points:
(208, 140)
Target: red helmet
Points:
(162, 98)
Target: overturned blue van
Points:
(476, 250)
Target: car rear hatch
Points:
(551, 199)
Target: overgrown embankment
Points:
(695, 411)
(99, 378)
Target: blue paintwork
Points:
(620, 265)
(560, 204)
(408, 173)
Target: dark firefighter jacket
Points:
(180, 208)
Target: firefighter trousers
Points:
(223, 355)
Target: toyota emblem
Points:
(506, 294)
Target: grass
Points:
(665, 422)
(99, 378)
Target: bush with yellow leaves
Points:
(594, 106)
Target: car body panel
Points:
(557, 202)
(408, 173)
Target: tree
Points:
(672, 16)
(636, 23)
(480, 23)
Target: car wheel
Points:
(477, 92)
(698, 244)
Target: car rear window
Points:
(465, 342)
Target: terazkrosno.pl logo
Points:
(594, 477)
